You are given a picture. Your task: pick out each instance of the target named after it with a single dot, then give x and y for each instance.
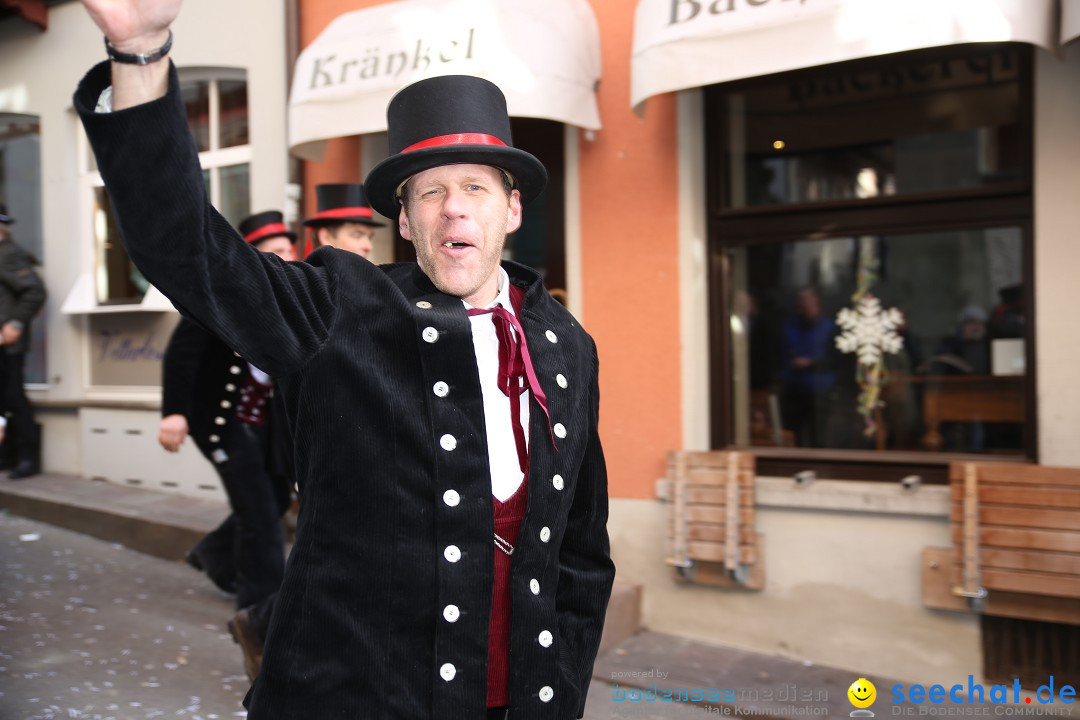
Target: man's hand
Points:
(134, 26)
(174, 429)
(10, 333)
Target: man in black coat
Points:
(21, 296)
(451, 556)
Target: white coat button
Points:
(545, 639)
(423, 305)
(219, 421)
(430, 334)
(561, 380)
(448, 442)
(534, 585)
(215, 438)
(545, 534)
(560, 430)
(226, 404)
(448, 671)
(451, 613)
(546, 693)
(451, 553)
(557, 481)
(451, 498)
(235, 369)
(551, 336)
(229, 387)
(441, 389)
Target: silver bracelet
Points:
(139, 58)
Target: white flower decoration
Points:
(869, 329)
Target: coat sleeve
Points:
(276, 314)
(18, 275)
(180, 368)
(586, 572)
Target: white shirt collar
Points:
(503, 298)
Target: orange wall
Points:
(629, 239)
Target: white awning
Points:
(681, 44)
(545, 56)
(1070, 20)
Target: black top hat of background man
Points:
(449, 120)
(342, 202)
(4, 217)
(265, 225)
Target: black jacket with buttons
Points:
(201, 379)
(359, 630)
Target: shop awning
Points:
(681, 44)
(1070, 20)
(544, 55)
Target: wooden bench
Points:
(712, 538)
(1015, 543)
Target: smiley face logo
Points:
(862, 693)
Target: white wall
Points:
(1057, 254)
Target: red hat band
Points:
(345, 212)
(266, 231)
(456, 139)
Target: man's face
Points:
(458, 218)
(351, 236)
(280, 246)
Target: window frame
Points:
(997, 205)
(84, 298)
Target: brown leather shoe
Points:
(249, 640)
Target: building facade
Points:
(843, 242)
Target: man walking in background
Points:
(21, 296)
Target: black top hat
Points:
(448, 120)
(4, 217)
(342, 202)
(265, 225)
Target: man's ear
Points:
(513, 212)
(322, 236)
(403, 224)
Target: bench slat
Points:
(1060, 540)
(1016, 473)
(1045, 519)
(1024, 495)
(1031, 582)
(714, 552)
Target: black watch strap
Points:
(139, 58)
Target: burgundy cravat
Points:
(515, 370)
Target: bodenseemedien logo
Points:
(862, 695)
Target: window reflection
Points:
(944, 313)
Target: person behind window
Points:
(806, 375)
(22, 293)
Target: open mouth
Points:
(455, 245)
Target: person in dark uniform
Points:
(225, 404)
(451, 556)
(21, 296)
(344, 219)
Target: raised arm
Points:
(276, 314)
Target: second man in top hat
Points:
(344, 218)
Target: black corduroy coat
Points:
(378, 374)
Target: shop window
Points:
(871, 225)
(217, 110)
(20, 191)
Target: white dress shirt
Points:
(503, 461)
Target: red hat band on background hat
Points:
(344, 212)
(455, 139)
(267, 231)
